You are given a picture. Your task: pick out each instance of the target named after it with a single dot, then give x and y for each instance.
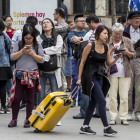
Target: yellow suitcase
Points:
(50, 111)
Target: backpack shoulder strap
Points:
(93, 46)
(20, 45)
(76, 33)
(36, 49)
(43, 37)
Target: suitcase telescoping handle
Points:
(78, 88)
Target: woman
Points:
(5, 70)
(92, 78)
(120, 78)
(26, 76)
(10, 32)
(54, 77)
(67, 70)
(8, 29)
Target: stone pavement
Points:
(68, 131)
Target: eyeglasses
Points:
(81, 21)
(117, 34)
(135, 18)
(26, 38)
(47, 22)
(8, 21)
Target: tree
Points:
(113, 11)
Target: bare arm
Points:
(84, 58)
(109, 62)
(35, 56)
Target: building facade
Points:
(101, 8)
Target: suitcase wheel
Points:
(37, 131)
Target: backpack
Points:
(51, 65)
(81, 47)
(75, 48)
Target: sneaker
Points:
(2, 110)
(23, 107)
(124, 122)
(129, 117)
(87, 130)
(137, 118)
(58, 124)
(13, 123)
(26, 124)
(7, 110)
(112, 122)
(109, 131)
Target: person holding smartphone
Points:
(120, 73)
(26, 75)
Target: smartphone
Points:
(47, 58)
(118, 51)
(28, 46)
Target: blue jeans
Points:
(97, 97)
(43, 80)
(9, 82)
(74, 80)
(8, 86)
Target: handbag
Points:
(113, 69)
(51, 65)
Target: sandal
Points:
(68, 90)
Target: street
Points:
(69, 129)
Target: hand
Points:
(116, 57)
(31, 52)
(25, 50)
(78, 82)
(77, 40)
(125, 52)
(113, 49)
(138, 49)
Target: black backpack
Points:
(51, 65)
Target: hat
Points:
(134, 14)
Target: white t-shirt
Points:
(119, 63)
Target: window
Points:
(121, 7)
(81, 5)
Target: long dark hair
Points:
(29, 29)
(2, 26)
(99, 30)
(53, 33)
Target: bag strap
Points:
(93, 46)
(43, 37)
(76, 34)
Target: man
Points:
(63, 6)
(17, 37)
(133, 32)
(76, 37)
(62, 29)
(92, 22)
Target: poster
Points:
(21, 9)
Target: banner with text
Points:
(21, 9)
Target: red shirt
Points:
(10, 34)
